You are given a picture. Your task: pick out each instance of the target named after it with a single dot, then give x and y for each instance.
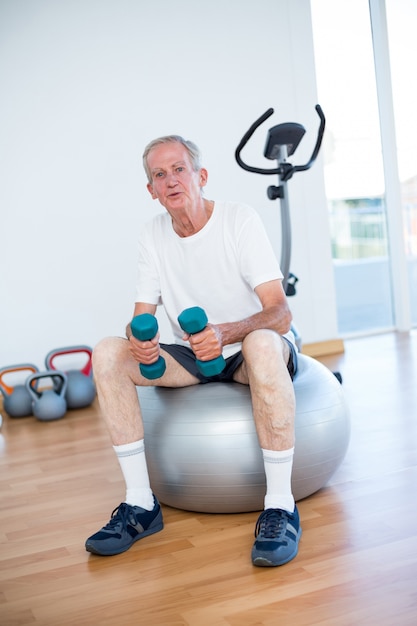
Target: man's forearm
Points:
(273, 318)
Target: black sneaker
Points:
(277, 535)
(127, 524)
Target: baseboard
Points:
(323, 348)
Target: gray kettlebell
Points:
(48, 404)
(81, 390)
(17, 401)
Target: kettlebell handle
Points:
(53, 374)
(8, 389)
(51, 356)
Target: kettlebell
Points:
(81, 390)
(48, 404)
(17, 400)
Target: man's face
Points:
(174, 182)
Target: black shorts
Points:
(186, 357)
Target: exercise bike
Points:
(281, 142)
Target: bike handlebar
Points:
(288, 171)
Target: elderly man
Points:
(215, 255)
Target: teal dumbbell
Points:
(192, 321)
(144, 327)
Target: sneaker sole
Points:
(146, 533)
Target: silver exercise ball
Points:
(203, 452)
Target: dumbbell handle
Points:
(144, 327)
(192, 321)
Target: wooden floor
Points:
(358, 554)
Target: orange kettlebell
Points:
(17, 399)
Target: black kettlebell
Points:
(48, 404)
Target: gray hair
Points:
(193, 151)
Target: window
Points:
(354, 167)
(402, 24)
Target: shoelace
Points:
(120, 515)
(271, 523)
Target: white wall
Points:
(85, 84)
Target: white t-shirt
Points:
(217, 269)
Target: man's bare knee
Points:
(109, 353)
(263, 346)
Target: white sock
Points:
(132, 459)
(278, 468)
